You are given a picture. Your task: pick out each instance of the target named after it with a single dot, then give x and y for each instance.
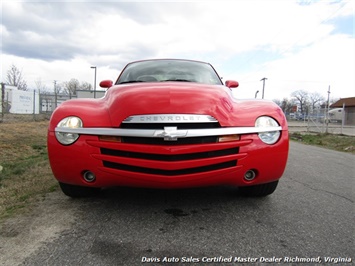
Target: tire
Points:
(78, 191)
(259, 190)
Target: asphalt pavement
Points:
(308, 220)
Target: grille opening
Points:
(171, 157)
(152, 171)
(161, 141)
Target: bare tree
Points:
(70, 87)
(14, 78)
(58, 88)
(40, 86)
(285, 104)
(277, 101)
(85, 86)
(315, 99)
(301, 98)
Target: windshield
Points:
(169, 70)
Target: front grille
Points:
(201, 154)
(186, 171)
(169, 157)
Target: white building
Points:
(17, 101)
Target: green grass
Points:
(25, 173)
(22, 166)
(335, 142)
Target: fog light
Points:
(250, 175)
(89, 176)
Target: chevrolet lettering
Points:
(169, 118)
(168, 123)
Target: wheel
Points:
(259, 190)
(78, 191)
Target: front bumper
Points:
(167, 166)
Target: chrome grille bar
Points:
(173, 133)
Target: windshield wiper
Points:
(130, 81)
(183, 80)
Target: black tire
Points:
(78, 191)
(259, 190)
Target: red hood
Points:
(187, 98)
(168, 98)
(123, 101)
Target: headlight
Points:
(267, 137)
(69, 122)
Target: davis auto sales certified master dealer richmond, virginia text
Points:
(231, 259)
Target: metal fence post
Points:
(342, 118)
(2, 101)
(34, 104)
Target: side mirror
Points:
(106, 84)
(232, 84)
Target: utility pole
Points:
(2, 101)
(327, 112)
(55, 94)
(256, 94)
(263, 79)
(94, 67)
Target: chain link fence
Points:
(34, 105)
(322, 120)
(24, 106)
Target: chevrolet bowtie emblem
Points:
(170, 133)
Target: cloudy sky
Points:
(297, 45)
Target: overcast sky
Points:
(297, 45)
